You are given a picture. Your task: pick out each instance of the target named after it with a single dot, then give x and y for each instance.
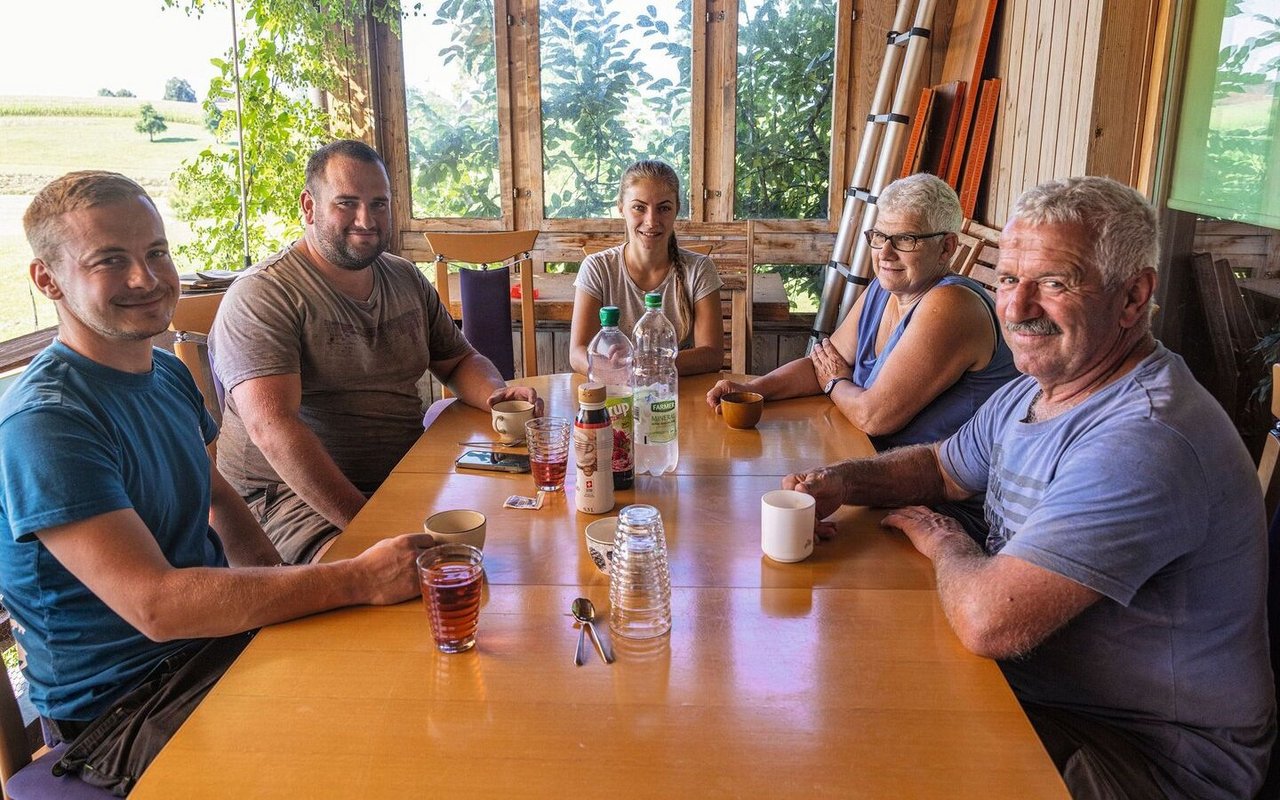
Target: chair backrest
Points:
(1268, 475)
(499, 247)
(191, 323)
(983, 256)
(15, 744)
(1231, 332)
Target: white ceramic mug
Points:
(786, 525)
(509, 418)
(457, 527)
(600, 535)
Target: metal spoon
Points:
(585, 613)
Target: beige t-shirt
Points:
(359, 361)
(603, 275)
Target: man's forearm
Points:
(474, 379)
(906, 476)
(301, 461)
(245, 598)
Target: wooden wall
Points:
(1076, 84)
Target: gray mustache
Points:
(1036, 327)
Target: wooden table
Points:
(835, 677)
(555, 298)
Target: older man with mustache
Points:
(1122, 585)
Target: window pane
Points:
(451, 96)
(615, 88)
(786, 60)
(71, 115)
(1227, 162)
(802, 283)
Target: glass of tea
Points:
(548, 439)
(451, 575)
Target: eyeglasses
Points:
(902, 242)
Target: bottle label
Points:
(619, 409)
(593, 450)
(662, 421)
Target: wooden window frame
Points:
(711, 179)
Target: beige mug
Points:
(509, 418)
(460, 526)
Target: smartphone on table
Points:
(493, 462)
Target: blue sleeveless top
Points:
(958, 402)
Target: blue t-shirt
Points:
(1145, 494)
(954, 406)
(79, 439)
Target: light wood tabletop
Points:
(834, 677)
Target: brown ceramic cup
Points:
(741, 410)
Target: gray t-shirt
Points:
(1145, 494)
(604, 277)
(359, 361)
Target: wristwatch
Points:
(831, 384)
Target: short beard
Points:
(341, 258)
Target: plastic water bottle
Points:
(609, 359)
(654, 377)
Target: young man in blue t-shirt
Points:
(122, 551)
(1122, 586)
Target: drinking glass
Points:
(451, 575)
(548, 439)
(639, 578)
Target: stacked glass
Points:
(639, 579)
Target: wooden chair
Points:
(980, 263)
(25, 764)
(484, 313)
(1231, 332)
(1268, 475)
(191, 323)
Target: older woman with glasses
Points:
(921, 350)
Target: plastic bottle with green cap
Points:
(609, 360)
(657, 446)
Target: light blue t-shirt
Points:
(79, 439)
(1145, 494)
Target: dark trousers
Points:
(1097, 761)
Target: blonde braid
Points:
(684, 308)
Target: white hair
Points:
(1121, 222)
(926, 196)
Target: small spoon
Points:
(585, 613)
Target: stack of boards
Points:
(951, 129)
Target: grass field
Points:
(57, 135)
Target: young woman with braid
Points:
(651, 261)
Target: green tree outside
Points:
(151, 122)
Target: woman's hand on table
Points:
(828, 363)
(721, 389)
(526, 393)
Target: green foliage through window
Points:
(786, 67)
(1227, 161)
(452, 103)
(616, 83)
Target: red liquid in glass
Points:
(548, 473)
(451, 595)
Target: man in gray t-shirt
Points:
(320, 348)
(1124, 580)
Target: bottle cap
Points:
(591, 393)
(609, 316)
(653, 300)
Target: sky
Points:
(75, 47)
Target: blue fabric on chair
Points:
(36, 781)
(486, 315)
